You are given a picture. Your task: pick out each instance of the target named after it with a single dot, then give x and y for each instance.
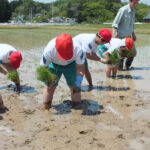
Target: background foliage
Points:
(85, 11)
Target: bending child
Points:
(112, 53)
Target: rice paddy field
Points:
(114, 114)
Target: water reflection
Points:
(139, 68)
(103, 88)
(88, 107)
(129, 77)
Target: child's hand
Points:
(104, 61)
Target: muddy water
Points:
(114, 114)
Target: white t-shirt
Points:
(50, 55)
(5, 51)
(114, 45)
(87, 42)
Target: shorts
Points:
(69, 72)
(86, 64)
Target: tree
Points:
(5, 12)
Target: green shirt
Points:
(124, 21)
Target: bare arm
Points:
(93, 56)
(2, 71)
(133, 36)
(80, 69)
(114, 32)
(105, 54)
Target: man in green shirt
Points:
(123, 27)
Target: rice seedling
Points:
(45, 75)
(13, 76)
(114, 57)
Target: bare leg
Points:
(48, 96)
(75, 97)
(2, 106)
(108, 71)
(88, 77)
(115, 70)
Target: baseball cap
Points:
(64, 46)
(128, 42)
(105, 34)
(15, 59)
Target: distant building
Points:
(38, 15)
(70, 20)
(147, 18)
(56, 20)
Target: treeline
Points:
(85, 11)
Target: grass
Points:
(25, 37)
(139, 28)
(44, 75)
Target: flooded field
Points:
(114, 114)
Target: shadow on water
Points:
(1, 117)
(88, 107)
(129, 77)
(139, 68)
(87, 88)
(24, 88)
(2, 111)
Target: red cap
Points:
(15, 59)
(64, 46)
(105, 34)
(129, 43)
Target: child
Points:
(89, 44)
(10, 59)
(111, 53)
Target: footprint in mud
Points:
(120, 136)
(24, 88)
(121, 97)
(85, 132)
(101, 145)
(89, 107)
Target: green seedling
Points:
(13, 76)
(125, 53)
(114, 57)
(44, 75)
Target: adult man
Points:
(89, 44)
(64, 56)
(10, 59)
(123, 26)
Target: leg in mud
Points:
(75, 96)
(108, 71)
(2, 106)
(48, 96)
(114, 69)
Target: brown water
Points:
(113, 115)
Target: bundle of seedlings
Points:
(13, 76)
(114, 58)
(126, 53)
(45, 75)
